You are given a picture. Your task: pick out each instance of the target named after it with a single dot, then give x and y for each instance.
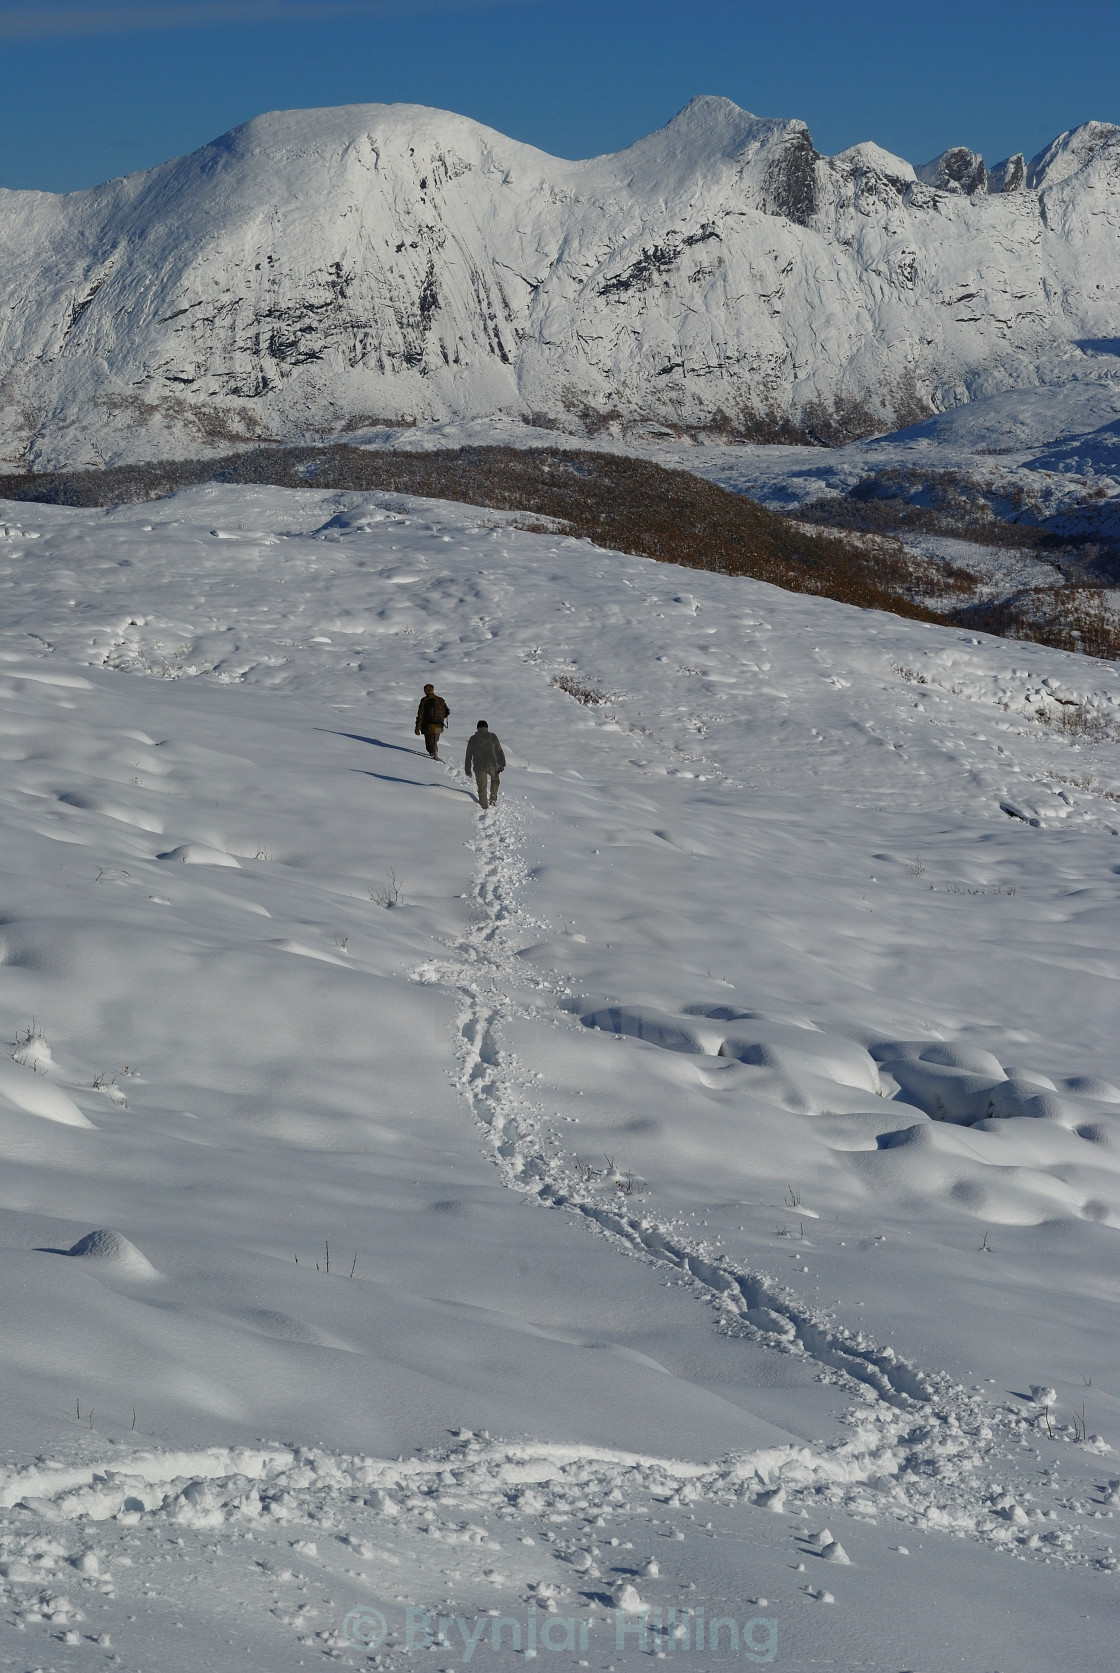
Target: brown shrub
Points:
(946, 502)
(590, 696)
(1069, 618)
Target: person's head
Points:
(429, 691)
(482, 726)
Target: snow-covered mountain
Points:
(317, 272)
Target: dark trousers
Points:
(432, 735)
(481, 779)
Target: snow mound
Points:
(111, 1249)
(110, 810)
(28, 1091)
(896, 1112)
(197, 854)
(31, 1050)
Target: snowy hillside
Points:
(322, 271)
(693, 1186)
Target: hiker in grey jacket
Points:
(486, 761)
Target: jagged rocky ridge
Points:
(317, 273)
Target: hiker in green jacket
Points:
(430, 718)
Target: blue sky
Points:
(98, 89)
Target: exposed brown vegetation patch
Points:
(925, 578)
(628, 505)
(1069, 618)
(930, 502)
(590, 696)
(907, 500)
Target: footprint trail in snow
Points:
(922, 1450)
(848, 1021)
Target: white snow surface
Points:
(717, 1144)
(315, 272)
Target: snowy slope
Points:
(319, 271)
(717, 1146)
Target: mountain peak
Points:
(709, 134)
(327, 271)
(1073, 151)
(956, 170)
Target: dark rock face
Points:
(1008, 176)
(791, 181)
(956, 170)
(658, 259)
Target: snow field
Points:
(269, 1551)
(789, 1053)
